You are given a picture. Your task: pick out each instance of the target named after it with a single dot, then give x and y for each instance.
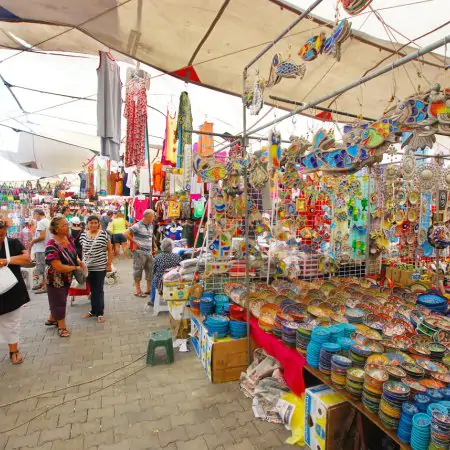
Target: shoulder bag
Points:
(7, 279)
(79, 274)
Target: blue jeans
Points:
(153, 291)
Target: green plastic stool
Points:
(160, 338)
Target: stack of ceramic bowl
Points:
(395, 394)
(436, 407)
(339, 366)
(206, 306)
(422, 401)
(415, 386)
(354, 315)
(395, 373)
(374, 377)
(433, 301)
(194, 303)
(354, 382)
(413, 371)
(435, 395)
(437, 350)
(336, 332)
(445, 393)
(217, 326)
(440, 431)
(296, 311)
(405, 425)
(281, 317)
(220, 300)
(349, 329)
(237, 312)
(326, 353)
(289, 329)
(359, 353)
(421, 432)
(238, 329)
(226, 310)
(345, 344)
(319, 336)
(303, 336)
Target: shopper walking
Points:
(141, 236)
(106, 219)
(62, 261)
(13, 255)
(118, 227)
(97, 255)
(163, 261)
(37, 246)
(76, 230)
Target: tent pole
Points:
(375, 74)
(282, 34)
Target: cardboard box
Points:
(325, 413)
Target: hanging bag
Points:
(79, 274)
(7, 279)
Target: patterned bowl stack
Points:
(345, 344)
(354, 382)
(221, 300)
(440, 430)
(238, 329)
(326, 353)
(289, 335)
(319, 336)
(339, 366)
(217, 326)
(206, 306)
(395, 394)
(359, 353)
(422, 401)
(303, 336)
(374, 378)
(405, 425)
(281, 317)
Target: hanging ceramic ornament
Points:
(427, 177)
(413, 197)
(341, 32)
(445, 178)
(354, 7)
(312, 48)
(408, 164)
(284, 69)
(391, 173)
(274, 148)
(257, 101)
(401, 197)
(209, 168)
(412, 215)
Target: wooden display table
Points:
(360, 409)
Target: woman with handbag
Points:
(97, 255)
(62, 265)
(13, 292)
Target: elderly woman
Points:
(62, 261)
(163, 261)
(97, 255)
(13, 255)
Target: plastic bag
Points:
(297, 419)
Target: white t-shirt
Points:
(42, 225)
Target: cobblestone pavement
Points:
(167, 406)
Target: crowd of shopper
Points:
(72, 250)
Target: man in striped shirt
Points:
(141, 236)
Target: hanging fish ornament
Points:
(341, 32)
(284, 69)
(312, 48)
(209, 168)
(274, 148)
(354, 7)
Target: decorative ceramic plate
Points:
(413, 197)
(395, 371)
(432, 384)
(378, 359)
(395, 359)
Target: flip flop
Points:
(50, 323)
(100, 319)
(87, 315)
(141, 295)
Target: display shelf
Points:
(357, 405)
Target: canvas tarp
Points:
(171, 35)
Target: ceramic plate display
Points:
(413, 197)
(432, 384)
(412, 215)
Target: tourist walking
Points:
(141, 236)
(106, 219)
(118, 226)
(97, 255)
(37, 246)
(163, 261)
(62, 261)
(12, 255)
(76, 230)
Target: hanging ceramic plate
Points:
(413, 197)
(399, 216)
(374, 198)
(401, 197)
(412, 215)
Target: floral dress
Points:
(67, 255)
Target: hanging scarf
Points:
(184, 123)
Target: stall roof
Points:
(210, 41)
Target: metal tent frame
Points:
(245, 133)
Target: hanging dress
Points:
(169, 154)
(136, 115)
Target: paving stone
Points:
(228, 408)
(99, 413)
(173, 435)
(246, 444)
(55, 434)
(70, 444)
(103, 438)
(195, 444)
(242, 432)
(266, 441)
(85, 428)
(77, 416)
(29, 440)
(224, 438)
(187, 418)
(200, 429)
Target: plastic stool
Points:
(160, 305)
(160, 338)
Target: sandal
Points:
(100, 319)
(63, 332)
(87, 315)
(18, 358)
(140, 294)
(40, 291)
(50, 323)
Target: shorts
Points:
(118, 239)
(142, 262)
(40, 263)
